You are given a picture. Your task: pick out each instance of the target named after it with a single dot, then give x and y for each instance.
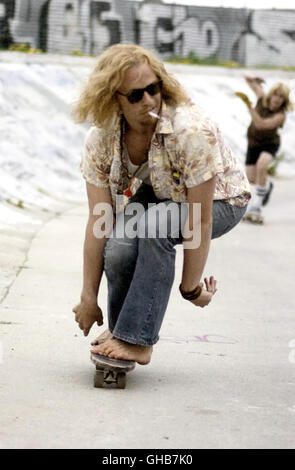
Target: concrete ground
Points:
(220, 377)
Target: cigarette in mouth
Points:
(154, 115)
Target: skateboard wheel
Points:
(98, 379)
(121, 380)
(254, 218)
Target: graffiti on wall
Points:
(86, 25)
(43, 28)
(271, 38)
(6, 12)
(105, 28)
(204, 42)
(170, 30)
(251, 37)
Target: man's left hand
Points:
(86, 315)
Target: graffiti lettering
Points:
(251, 37)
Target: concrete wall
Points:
(250, 37)
(88, 26)
(6, 13)
(179, 30)
(271, 38)
(25, 26)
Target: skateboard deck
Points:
(110, 372)
(254, 218)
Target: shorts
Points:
(254, 152)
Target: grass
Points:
(24, 48)
(19, 203)
(193, 59)
(190, 59)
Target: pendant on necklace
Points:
(128, 193)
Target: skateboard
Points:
(254, 218)
(110, 372)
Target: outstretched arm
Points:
(87, 312)
(255, 83)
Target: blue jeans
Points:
(140, 270)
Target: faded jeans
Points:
(140, 270)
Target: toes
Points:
(109, 348)
(95, 351)
(109, 351)
(99, 349)
(113, 355)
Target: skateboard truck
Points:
(110, 372)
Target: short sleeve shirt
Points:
(186, 143)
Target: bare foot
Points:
(118, 349)
(101, 338)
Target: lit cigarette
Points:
(154, 115)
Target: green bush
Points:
(192, 58)
(24, 48)
(78, 53)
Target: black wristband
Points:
(191, 295)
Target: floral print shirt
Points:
(186, 143)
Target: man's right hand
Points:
(86, 314)
(206, 295)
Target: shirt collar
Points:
(165, 125)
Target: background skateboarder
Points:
(268, 116)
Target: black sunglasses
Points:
(136, 95)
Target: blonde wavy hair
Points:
(98, 103)
(283, 90)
